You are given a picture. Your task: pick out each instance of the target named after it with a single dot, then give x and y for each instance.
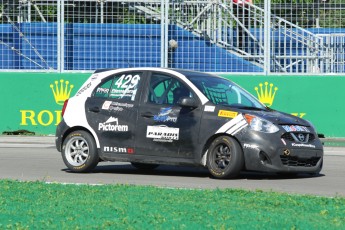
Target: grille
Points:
(299, 162)
(308, 137)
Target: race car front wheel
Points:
(79, 152)
(225, 158)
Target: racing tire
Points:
(79, 152)
(143, 166)
(225, 158)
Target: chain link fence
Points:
(295, 37)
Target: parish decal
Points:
(162, 133)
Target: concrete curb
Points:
(27, 139)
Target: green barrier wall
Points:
(33, 101)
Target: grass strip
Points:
(37, 205)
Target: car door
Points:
(165, 128)
(112, 112)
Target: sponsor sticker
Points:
(162, 133)
(303, 145)
(295, 128)
(112, 124)
(102, 90)
(209, 108)
(116, 106)
(94, 77)
(120, 93)
(82, 90)
(250, 146)
(114, 149)
(227, 113)
(106, 105)
(166, 115)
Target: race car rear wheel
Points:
(225, 158)
(79, 152)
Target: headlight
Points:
(261, 125)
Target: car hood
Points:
(276, 117)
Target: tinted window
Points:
(224, 92)
(166, 90)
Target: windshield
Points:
(221, 91)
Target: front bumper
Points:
(298, 161)
(269, 153)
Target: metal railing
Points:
(293, 49)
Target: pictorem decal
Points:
(112, 124)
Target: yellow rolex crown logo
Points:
(61, 91)
(266, 94)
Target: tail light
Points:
(64, 107)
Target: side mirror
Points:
(187, 102)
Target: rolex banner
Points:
(32, 102)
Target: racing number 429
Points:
(127, 81)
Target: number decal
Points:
(118, 83)
(125, 87)
(134, 81)
(128, 81)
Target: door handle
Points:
(147, 114)
(94, 109)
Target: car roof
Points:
(188, 73)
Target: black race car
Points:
(153, 116)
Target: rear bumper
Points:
(60, 134)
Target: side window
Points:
(103, 89)
(122, 86)
(166, 90)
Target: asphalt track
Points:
(36, 159)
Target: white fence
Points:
(205, 35)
